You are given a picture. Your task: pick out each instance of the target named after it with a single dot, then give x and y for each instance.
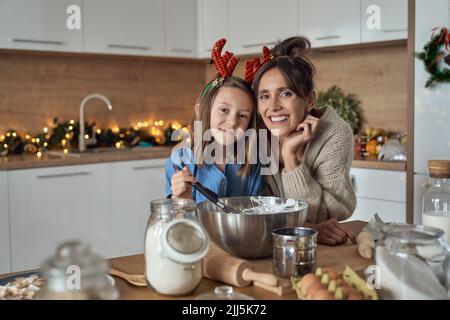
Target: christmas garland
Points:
(436, 57)
(64, 136)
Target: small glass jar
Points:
(436, 200)
(412, 262)
(175, 245)
(223, 293)
(75, 273)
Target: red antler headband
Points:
(225, 64)
(252, 66)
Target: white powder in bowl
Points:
(267, 208)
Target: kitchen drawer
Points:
(389, 211)
(133, 185)
(379, 184)
(52, 205)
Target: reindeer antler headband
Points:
(225, 65)
(252, 66)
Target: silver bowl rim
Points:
(304, 205)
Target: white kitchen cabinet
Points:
(133, 27)
(51, 205)
(379, 191)
(393, 15)
(213, 24)
(256, 23)
(181, 29)
(38, 25)
(5, 260)
(133, 185)
(329, 22)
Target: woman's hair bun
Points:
(294, 47)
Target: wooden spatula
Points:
(134, 279)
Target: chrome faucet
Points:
(81, 142)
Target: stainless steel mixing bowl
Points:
(249, 235)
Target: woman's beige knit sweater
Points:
(322, 179)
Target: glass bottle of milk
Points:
(436, 200)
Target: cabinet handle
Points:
(252, 45)
(393, 30)
(61, 175)
(327, 37)
(58, 43)
(180, 50)
(123, 46)
(148, 167)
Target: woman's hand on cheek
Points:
(293, 146)
(181, 184)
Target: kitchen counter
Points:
(371, 162)
(327, 256)
(27, 161)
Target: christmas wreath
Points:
(436, 57)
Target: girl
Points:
(315, 155)
(224, 112)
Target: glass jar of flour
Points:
(436, 200)
(413, 263)
(175, 245)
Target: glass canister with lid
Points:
(413, 263)
(175, 245)
(436, 200)
(76, 273)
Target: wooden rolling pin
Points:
(221, 266)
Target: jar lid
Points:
(73, 257)
(411, 233)
(184, 241)
(439, 168)
(223, 293)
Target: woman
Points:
(315, 144)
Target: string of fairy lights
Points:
(63, 136)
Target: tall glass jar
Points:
(75, 273)
(413, 263)
(436, 200)
(175, 245)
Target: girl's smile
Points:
(231, 113)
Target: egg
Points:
(332, 275)
(313, 288)
(322, 294)
(308, 280)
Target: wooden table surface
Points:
(334, 256)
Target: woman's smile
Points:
(278, 119)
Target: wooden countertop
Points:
(371, 162)
(327, 256)
(25, 161)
